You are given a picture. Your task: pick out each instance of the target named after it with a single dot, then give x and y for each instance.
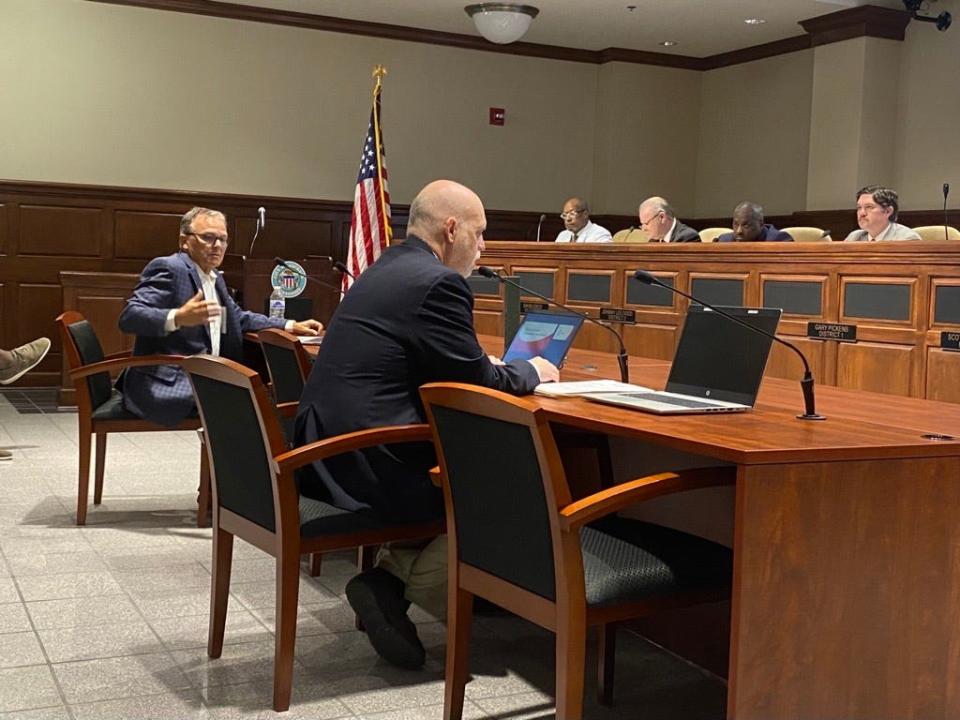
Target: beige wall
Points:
(754, 130)
(114, 95)
(126, 96)
(647, 119)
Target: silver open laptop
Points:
(717, 368)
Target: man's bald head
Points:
(449, 217)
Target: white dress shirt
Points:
(589, 233)
(669, 236)
(893, 231)
(208, 283)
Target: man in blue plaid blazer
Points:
(181, 307)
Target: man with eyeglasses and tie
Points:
(579, 229)
(181, 307)
(659, 221)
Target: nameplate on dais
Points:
(843, 332)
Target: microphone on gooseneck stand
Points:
(626, 238)
(261, 222)
(539, 225)
(621, 355)
(806, 385)
(825, 234)
(287, 266)
(946, 192)
(339, 266)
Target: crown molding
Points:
(863, 21)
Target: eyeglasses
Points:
(570, 214)
(644, 223)
(211, 238)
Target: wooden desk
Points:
(846, 544)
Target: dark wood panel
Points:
(37, 307)
(60, 231)
(145, 235)
(288, 238)
(4, 231)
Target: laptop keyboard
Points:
(667, 400)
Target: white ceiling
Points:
(700, 27)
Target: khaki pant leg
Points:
(423, 571)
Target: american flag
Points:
(370, 230)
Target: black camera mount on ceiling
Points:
(942, 20)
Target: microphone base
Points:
(811, 416)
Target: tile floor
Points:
(109, 620)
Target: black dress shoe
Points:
(376, 597)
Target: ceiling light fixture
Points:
(502, 23)
(755, 21)
(667, 43)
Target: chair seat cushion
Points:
(113, 409)
(320, 518)
(628, 560)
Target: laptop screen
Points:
(548, 335)
(718, 358)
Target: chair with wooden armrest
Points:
(256, 498)
(100, 408)
(288, 365)
(517, 539)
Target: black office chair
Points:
(256, 498)
(289, 366)
(100, 408)
(521, 541)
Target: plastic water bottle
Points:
(278, 305)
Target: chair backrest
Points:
(81, 346)
(936, 233)
(287, 363)
(242, 436)
(501, 506)
(807, 234)
(632, 235)
(710, 234)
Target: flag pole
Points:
(379, 71)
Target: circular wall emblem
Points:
(292, 281)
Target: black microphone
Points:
(284, 264)
(621, 356)
(626, 238)
(343, 268)
(946, 224)
(825, 234)
(261, 221)
(806, 385)
(539, 224)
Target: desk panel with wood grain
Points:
(899, 296)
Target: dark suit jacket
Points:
(684, 233)
(408, 320)
(162, 393)
(769, 234)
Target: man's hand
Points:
(307, 327)
(545, 369)
(495, 360)
(197, 311)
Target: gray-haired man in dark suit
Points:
(181, 307)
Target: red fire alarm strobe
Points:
(497, 116)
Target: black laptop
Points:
(717, 368)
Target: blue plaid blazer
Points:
(162, 393)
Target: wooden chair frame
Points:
(286, 543)
(289, 342)
(79, 373)
(569, 616)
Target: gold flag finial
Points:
(379, 71)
